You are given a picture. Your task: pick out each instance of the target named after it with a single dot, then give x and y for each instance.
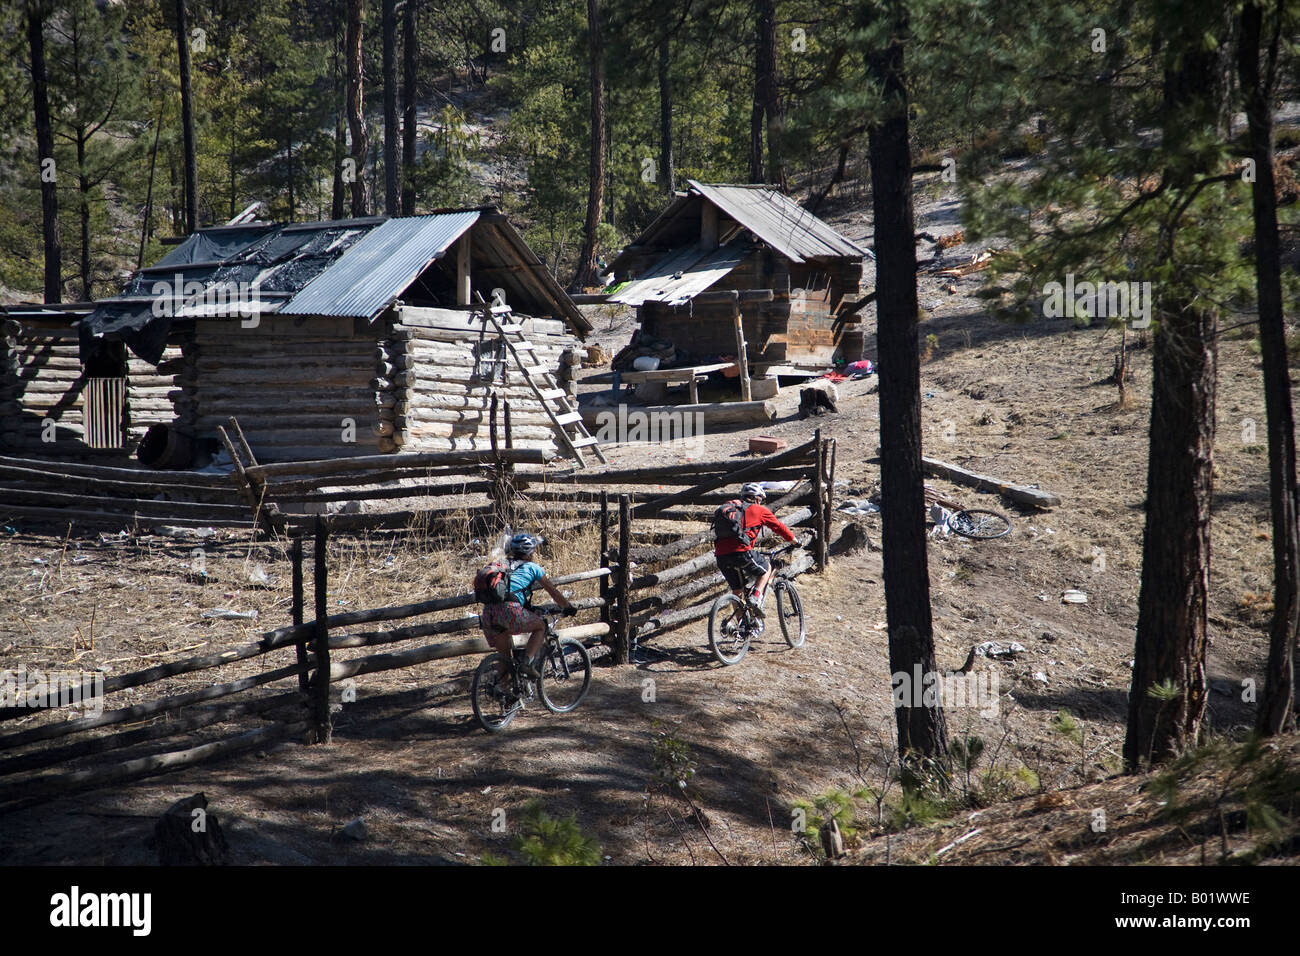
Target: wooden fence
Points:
(648, 580)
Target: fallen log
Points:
(517, 456)
(682, 416)
(1020, 494)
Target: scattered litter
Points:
(1008, 649)
(1040, 677)
(172, 531)
(942, 519)
(80, 558)
(1044, 597)
(258, 577)
(39, 561)
(390, 560)
(777, 485)
(1074, 597)
(854, 507)
(224, 614)
(356, 830)
(839, 617)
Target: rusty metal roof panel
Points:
(683, 274)
(375, 270)
(779, 221)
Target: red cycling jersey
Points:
(757, 517)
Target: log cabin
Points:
(719, 249)
(326, 339)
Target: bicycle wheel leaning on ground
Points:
(728, 629)
(493, 708)
(979, 523)
(789, 611)
(566, 676)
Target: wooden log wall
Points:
(42, 380)
(443, 409)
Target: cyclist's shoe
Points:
(530, 668)
(755, 605)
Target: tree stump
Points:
(188, 835)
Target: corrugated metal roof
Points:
(683, 274)
(374, 271)
(779, 221)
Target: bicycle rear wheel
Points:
(789, 611)
(729, 629)
(566, 676)
(493, 707)
(979, 523)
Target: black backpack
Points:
(492, 584)
(729, 521)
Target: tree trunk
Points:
(337, 195)
(921, 726)
(187, 120)
(410, 56)
(356, 117)
(766, 103)
(83, 212)
(45, 155)
(666, 119)
(1277, 701)
(1172, 605)
(587, 269)
(392, 196)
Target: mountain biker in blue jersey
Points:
(500, 622)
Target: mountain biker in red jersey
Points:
(736, 556)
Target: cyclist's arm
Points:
(554, 592)
(772, 521)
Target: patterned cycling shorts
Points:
(735, 567)
(510, 617)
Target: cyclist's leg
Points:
(732, 571)
(762, 568)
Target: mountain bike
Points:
(979, 523)
(566, 677)
(733, 622)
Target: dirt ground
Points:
(1025, 402)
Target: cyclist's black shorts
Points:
(736, 566)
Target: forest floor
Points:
(767, 738)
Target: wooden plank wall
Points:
(291, 383)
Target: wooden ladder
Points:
(569, 417)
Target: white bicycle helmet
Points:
(753, 490)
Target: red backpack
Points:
(492, 584)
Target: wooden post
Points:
(463, 287)
(742, 353)
(623, 630)
(303, 684)
(830, 499)
(708, 226)
(604, 554)
(819, 501)
(321, 639)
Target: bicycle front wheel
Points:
(566, 676)
(978, 523)
(789, 611)
(729, 629)
(493, 706)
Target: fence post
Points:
(322, 650)
(303, 683)
(830, 498)
(604, 555)
(819, 501)
(623, 633)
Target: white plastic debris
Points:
(258, 577)
(1074, 597)
(1040, 677)
(225, 614)
(1008, 649)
